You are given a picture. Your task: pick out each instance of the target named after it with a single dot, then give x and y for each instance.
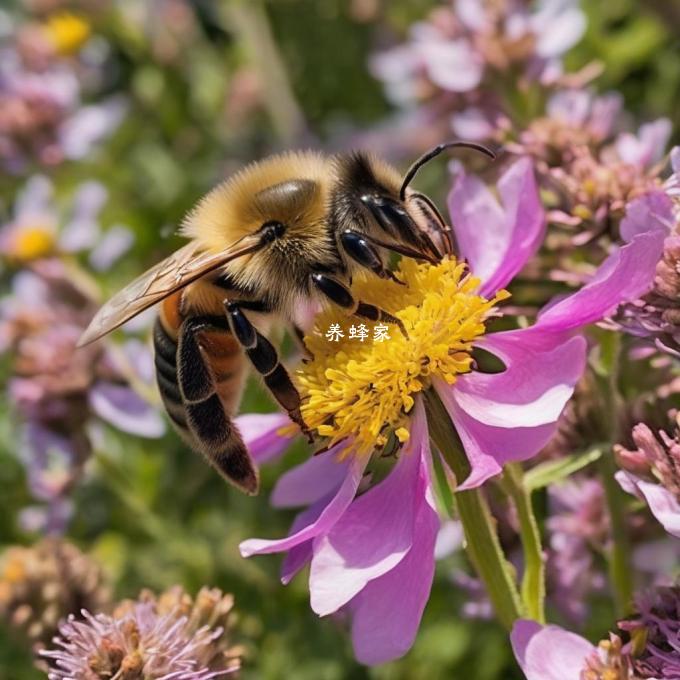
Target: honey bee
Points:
(283, 232)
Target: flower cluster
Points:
(43, 584)
(46, 68)
(170, 636)
(54, 388)
(455, 60)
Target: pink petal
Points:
(452, 64)
(326, 519)
(301, 554)
(387, 612)
(512, 415)
(260, 434)
(663, 504)
(497, 241)
(374, 534)
(124, 409)
(650, 212)
(307, 483)
(549, 652)
(675, 159)
(625, 275)
(558, 26)
(648, 146)
(472, 124)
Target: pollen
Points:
(364, 390)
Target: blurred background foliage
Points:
(209, 86)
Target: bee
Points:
(283, 233)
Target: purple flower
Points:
(656, 316)
(372, 554)
(657, 624)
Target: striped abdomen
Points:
(200, 369)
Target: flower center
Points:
(32, 243)
(610, 661)
(360, 384)
(68, 32)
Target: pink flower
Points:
(552, 653)
(372, 554)
(549, 652)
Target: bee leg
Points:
(342, 296)
(209, 427)
(357, 246)
(265, 359)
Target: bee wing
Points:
(180, 269)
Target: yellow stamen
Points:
(31, 243)
(67, 32)
(365, 390)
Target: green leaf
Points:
(555, 470)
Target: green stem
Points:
(620, 571)
(533, 581)
(618, 558)
(481, 538)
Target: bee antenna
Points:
(433, 153)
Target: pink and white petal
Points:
(330, 514)
(124, 409)
(387, 612)
(625, 275)
(488, 448)
(549, 652)
(300, 555)
(497, 241)
(260, 432)
(533, 388)
(511, 415)
(662, 503)
(652, 211)
(312, 480)
(375, 533)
